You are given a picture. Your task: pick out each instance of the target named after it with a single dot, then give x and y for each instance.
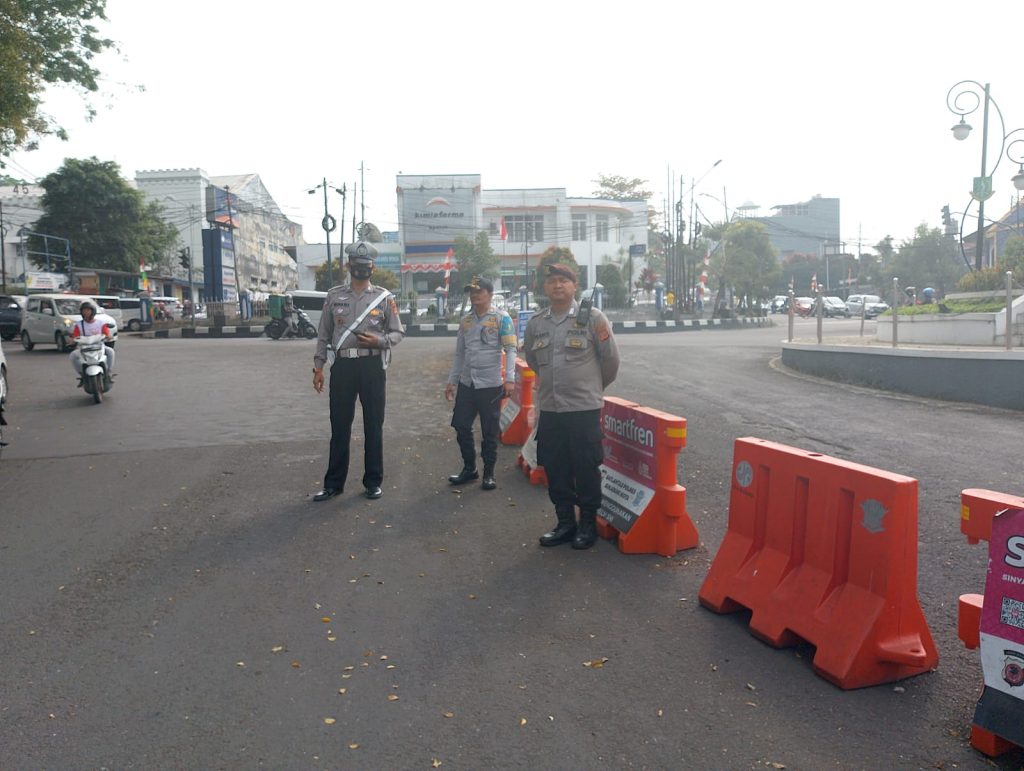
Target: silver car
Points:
(870, 304)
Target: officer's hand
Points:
(510, 388)
(318, 381)
(368, 340)
(449, 391)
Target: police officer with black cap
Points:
(359, 326)
(478, 382)
(571, 348)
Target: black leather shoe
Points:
(327, 492)
(466, 475)
(561, 534)
(585, 537)
(373, 493)
(488, 482)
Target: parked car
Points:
(780, 303)
(10, 317)
(50, 318)
(870, 304)
(834, 306)
(803, 306)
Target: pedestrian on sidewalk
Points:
(478, 381)
(571, 348)
(360, 325)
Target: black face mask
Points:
(361, 272)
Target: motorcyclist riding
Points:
(90, 326)
(289, 314)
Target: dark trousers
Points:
(569, 448)
(485, 402)
(363, 377)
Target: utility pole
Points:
(3, 253)
(327, 234)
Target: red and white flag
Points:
(448, 265)
(503, 231)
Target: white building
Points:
(434, 209)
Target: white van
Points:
(311, 302)
(111, 305)
(49, 319)
(131, 313)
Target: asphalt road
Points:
(171, 598)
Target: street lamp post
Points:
(963, 99)
(328, 223)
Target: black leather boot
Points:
(563, 531)
(468, 474)
(586, 533)
(488, 482)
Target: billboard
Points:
(432, 217)
(221, 207)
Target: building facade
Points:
(20, 207)
(808, 227)
(520, 224)
(252, 252)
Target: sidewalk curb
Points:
(451, 330)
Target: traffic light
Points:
(185, 257)
(946, 219)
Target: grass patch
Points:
(953, 307)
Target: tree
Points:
(551, 255)
(110, 224)
(930, 258)
(475, 258)
(43, 42)
(339, 275)
(609, 276)
(744, 260)
(621, 188)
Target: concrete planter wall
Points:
(955, 329)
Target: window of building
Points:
(579, 227)
(525, 227)
(492, 228)
(601, 227)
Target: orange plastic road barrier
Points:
(978, 509)
(643, 504)
(527, 459)
(824, 550)
(517, 413)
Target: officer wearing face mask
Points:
(359, 325)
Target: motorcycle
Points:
(95, 379)
(278, 328)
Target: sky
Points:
(795, 98)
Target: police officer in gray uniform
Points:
(478, 382)
(571, 348)
(360, 324)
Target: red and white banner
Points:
(503, 231)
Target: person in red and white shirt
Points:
(90, 325)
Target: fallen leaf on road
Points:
(353, 746)
(342, 691)
(332, 639)
(296, 664)
(348, 669)
(448, 714)
(661, 713)
(239, 663)
(435, 763)
(596, 663)
(330, 720)
(277, 649)
(392, 697)
(522, 721)
(326, 619)
(751, 687)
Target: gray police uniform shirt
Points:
(573, 364)
(478, 350)
(343, 306)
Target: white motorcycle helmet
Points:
(88, 304)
